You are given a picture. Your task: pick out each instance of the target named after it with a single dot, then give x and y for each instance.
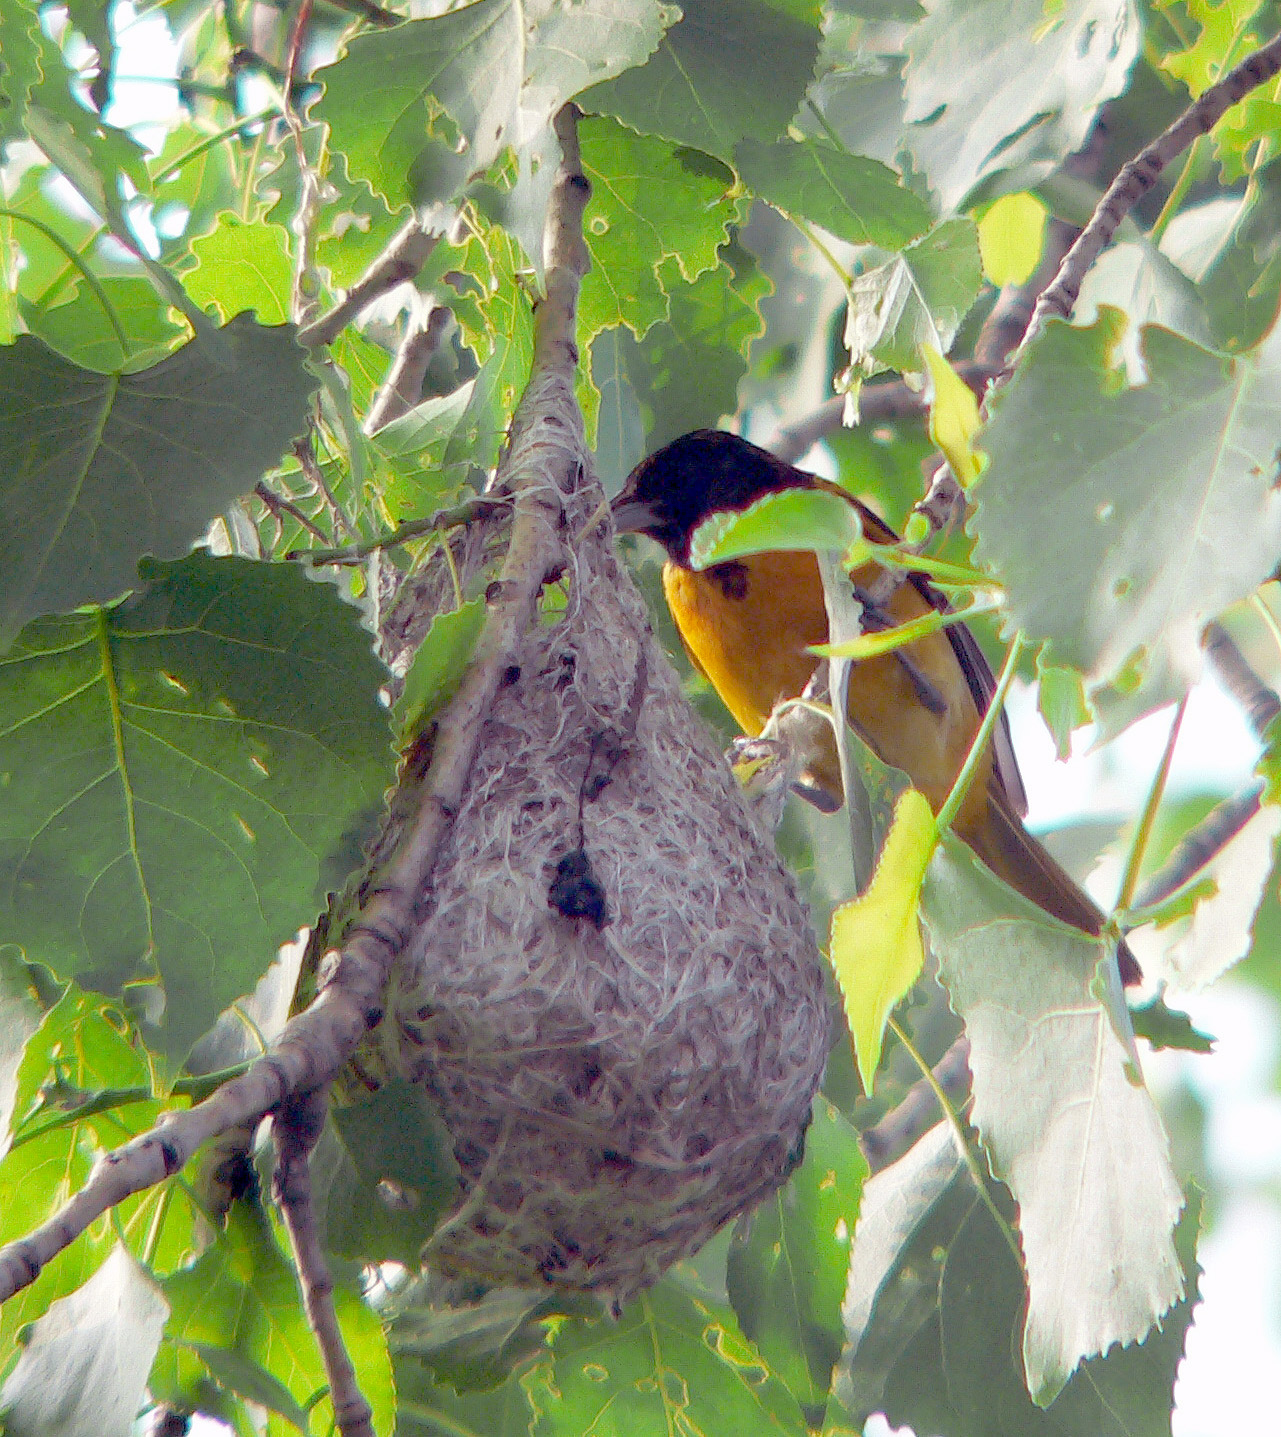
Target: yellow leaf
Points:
(1012, 237)
(876, 950)
(954, 416)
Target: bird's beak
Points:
(633, 516)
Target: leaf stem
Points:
(1143, 833)
(982, 738)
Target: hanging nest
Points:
(613, 994)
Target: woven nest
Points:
(614, 996)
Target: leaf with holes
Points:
(185, 776)
(97, 470)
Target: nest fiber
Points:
(614, 995)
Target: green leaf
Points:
(224, 727)
(420, 109)
(1120, 520)
(79, 326)
(857, 199)
(476, 1342)
(19, 65)
(387, 1176)
(97, 470)
(788, 1262)
(915, 298)
(428, 1406)
(876, 951)
(241, 1375)
(242, 1298)
(439, 664)
(620, 435)
(1061, 703)
(651, 202)
(729, 70)
(685, 372)
(19, 1019)
(243, 268)
(808, 519)
(992, 85)
(1012, 237)
(83, 1370)
(669, 1364)
(1063, 1112)
(1165, 1027)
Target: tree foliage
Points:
(257, 334)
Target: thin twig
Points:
(401, 260)
(278, 505)
(1136, 178)
(296, 1128)
(477, 507)
(542, 463)
(1258, 701)
(403, 387)
(886, 1141)
(1193, 851)
(305, 453)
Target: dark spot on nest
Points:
(510, 674)
(494, 592)
(576, 892)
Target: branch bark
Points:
(401, 260)
(538, 467)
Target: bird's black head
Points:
(669, 494)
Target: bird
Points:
(748, 625)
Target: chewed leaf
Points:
(876, 950)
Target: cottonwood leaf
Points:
(1064, 1115)
(1121, 520)
(620, 435)
(80, 327)
(914, 298)
(669, 1364)
(83, 1371)
(792, 519)
(428, 1405)
(420, 109)
(97, 470)
(857, 199)
(992, 85)
(19, 1019)
(242, 267)
(788, 1262)
(186, 775)
(19, 65)
(1199, 947)
(729, 70)
(651, 202)
(876, 950)
(1012, 237)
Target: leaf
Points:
(241, 1297)
(729, 70)
(915, 298)
(427, 1405)
(788, 1261)
(790, 519)
(651, 202)
(959, 1374)
(1012, 237)
(386, 1177)
(224, 724)
(1165, 1027)
(19, 66)
(1121, 520)
(620, 437)
(1199, 947)
(439, 664)
(1061, 703)
(991, 86)
(19, 1019)
(97, 470)
(475, 1342)
(669, 1364)
(1064, 1115)
(685, 372)
(876, 950)
(857, 199)
(493, 71)
(243, 268)
(83, 1371)
(247, 1379)
(954, 416)
(80, 327)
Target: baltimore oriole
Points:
(747, 625)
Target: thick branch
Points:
(1137, 176)
(401, 260)
(540, 464)
(403, 387)
(902, 1126)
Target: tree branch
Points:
(900, 1128)
(403, 387)
(1136, 178)
(540, 464)
(401, 260)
